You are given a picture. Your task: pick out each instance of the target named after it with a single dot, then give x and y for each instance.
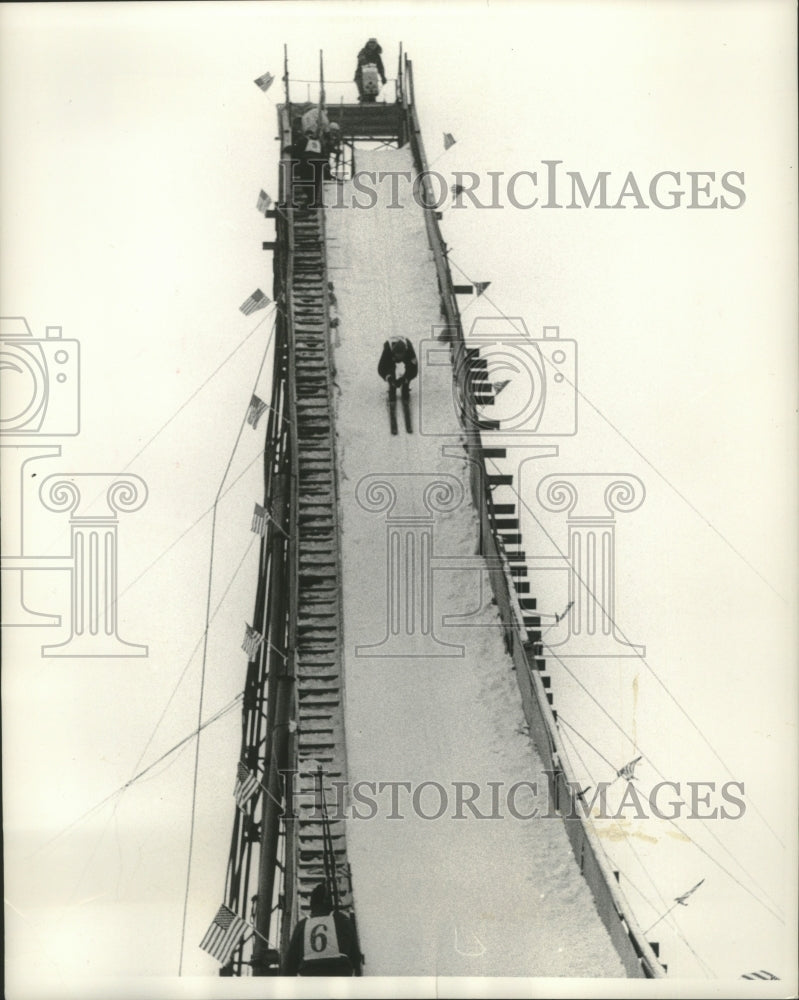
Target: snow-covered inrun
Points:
(446, 896)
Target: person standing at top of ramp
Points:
(323, 944)
(398, 366)
(370, 55)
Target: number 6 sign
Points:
(321, 940)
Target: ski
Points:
(392, 414)
(406, 413)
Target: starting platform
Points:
(378, 122)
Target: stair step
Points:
(504, 508)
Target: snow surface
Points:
(500, 896)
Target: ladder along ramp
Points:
(427, 703)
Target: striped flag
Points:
(256, 408)
(246, 786)
(760, 975)
(449, 140)
(683, 900)
(264, 201)
(224, 934)
(256, 301)
(252, 641)
(259, 519)
(265, 81)
(480, 287)
(628, 771)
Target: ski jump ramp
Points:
(402, 681)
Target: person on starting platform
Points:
(370, 55)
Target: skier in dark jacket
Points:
(309, 165)
(370, 53)
(323, 944)
(398, 366)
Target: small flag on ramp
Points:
(255, 302)
(760, 975)
(259, 519)
(683, 900)
(256, 408)
(628, 771)
(265, 81)
(449, 140)
(252, 641)
(264, 202)
(480, 287)
(224, 934)
(246, 786)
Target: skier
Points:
(370, 55)
(323, 944)
(309, 166)
(398, 366)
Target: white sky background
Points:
(134, 144)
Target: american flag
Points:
(683, 900)
(246, 786)
(252, 641)
(257, 407)
(480, 287)
(256, 301)
(259, 519)
(224, 934)
(265, 81)
(449, 140)
(264, 201)
(760, 975)
(628, 771)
